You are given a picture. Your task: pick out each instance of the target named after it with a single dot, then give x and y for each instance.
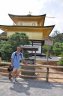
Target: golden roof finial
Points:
(29, 13)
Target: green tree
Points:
(57, 48)
(58, 38)
(6, 50)
(7, 47)
(60, 62)
(18, 39)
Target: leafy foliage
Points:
(7, 47)
(57, 48)
(18, 39)
(58, 38)
(61, 60)
(46, 48)
(57, 43)
(6, 50)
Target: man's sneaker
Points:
(16, 80)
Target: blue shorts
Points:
(16, 66)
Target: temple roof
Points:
(27, 15)
(18, 18)
(46, 30)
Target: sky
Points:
(52, 8)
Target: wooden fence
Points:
(39, 70)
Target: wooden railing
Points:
(38, 69)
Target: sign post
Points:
(49, 43)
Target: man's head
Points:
(18, 49)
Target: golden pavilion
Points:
(32, 25)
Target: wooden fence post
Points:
(47, 74)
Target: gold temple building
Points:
(32, 25)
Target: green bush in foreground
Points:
(61, 61)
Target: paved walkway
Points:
(53, 58)
(29, 87)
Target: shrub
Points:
(57, 48)
(61, 60)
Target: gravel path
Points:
(29, 87)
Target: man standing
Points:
(16, 58)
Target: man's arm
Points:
(11, 61)
(12, 58)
